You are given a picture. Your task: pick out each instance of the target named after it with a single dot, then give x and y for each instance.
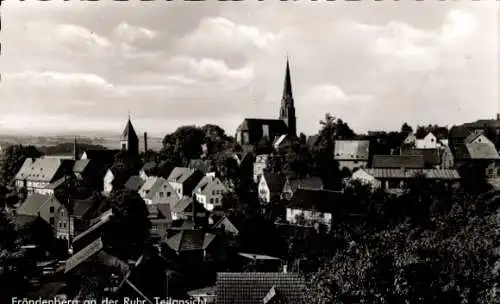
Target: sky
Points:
(83, 66)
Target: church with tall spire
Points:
(252, 130)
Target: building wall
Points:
(178, 188)
(64, 226)
(108, 180)
(263, 190)
(310, 217)
(428, 142)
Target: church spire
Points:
(287, 110)
(287, 87)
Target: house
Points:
(33, 230)
(83, 212)
(477, 136)
(482, 156)
(398, 161)
(410, 140)
(209, 192)
(193, 244)
(260, 262)
(148, 170)
(156, 190)
(184, 180)
(457, 135)
(482, 124)
(226, 225)
(64, 224)
(160, 216)
(259, 287)
(42, 205)
(260, 164)
(309, 207)
(440, 158)
(134, 183)
(429, 141)
(129, 140)
(36, 174)
(270, 186)
(352, 154)
(203, 165)
(252, 130)
(293, 185)
(183, 209)
(397, 179)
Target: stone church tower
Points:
(287, 110)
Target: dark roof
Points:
(21, 220)
(315, 200)
(485, 151)
(274, 181)
(48, 290)
(483, 123)
(313, 140)
(129, 132)
(182, 204)
(307, 183)
(255, 128)
(134, 183)
(160, 211)
(432, 157)
(473, 136)
(413, 173)
(186, 240)
(255, 257)
(227, 224)
(81, 207)
(102, 156)
(253, 287)
(180, 174)
(80, 165)
(105, 217)
(32, 204)
(398, 161)
(203, 165)
(83, 255)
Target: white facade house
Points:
(259, 166)
(209, 192)
(307, 217)
(428, 142)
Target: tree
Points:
(128, 232)
(406, 128)
(186, 141)
(13, 159)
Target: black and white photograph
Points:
(249, 152)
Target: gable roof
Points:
(134, 183)
(431, 157)
(255, 126)
(486, 151)
(103, 219)
(81, 207)
(459, 132)
(473, 136)
(448, 174)
(398, 161)
(149, 183)
(352, 149)
(180, 174)
(160, 211)
(129, 132)
(253, 287)
(324, 201)
(22, 220)
(275, 182)
(182, 204)
(83, 255)
(187, 240)
(32, 204)
(40, 169)
(227, 224)
(80, 165)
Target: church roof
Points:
(129, 131)
(287, 87)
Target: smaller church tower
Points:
(129, 141)
(287, 110)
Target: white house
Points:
(209, 192)
(270, 187)
(428, 142)
(352, 154)
(37, 174)
(259, 166)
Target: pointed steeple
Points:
(129, 139)
(287, 87)
(287, 110)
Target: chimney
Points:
(145, 141)
(193, 211)
(498, 116)
(285, 268)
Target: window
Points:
(124, 146)
(213, 192)
(60, 225)
(64, 225)
(61, 212)
(51, 221)
(489, 171)
(161, 194)
(169, 193)
(211, 201)
(52, 209)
